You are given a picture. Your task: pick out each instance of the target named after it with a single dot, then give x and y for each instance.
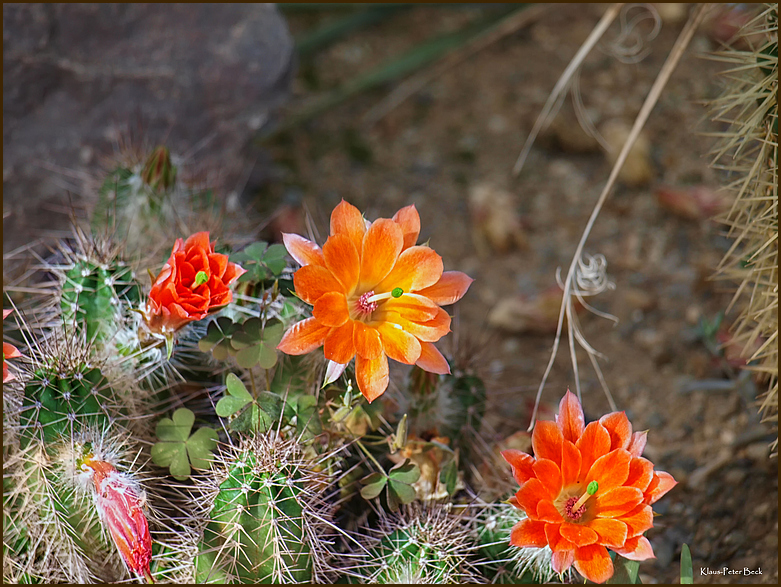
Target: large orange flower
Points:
(587, 489)
(375, 295)
(9, 352)
(192, 283)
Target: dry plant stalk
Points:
(569, 286)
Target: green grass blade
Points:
(332, 32)
(394, 69)
(687, 575)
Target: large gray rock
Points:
(79, 77)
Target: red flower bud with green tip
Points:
(158, 172)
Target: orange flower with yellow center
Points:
(585, 490)
(375, 295)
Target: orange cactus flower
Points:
(585, 490)
(120, 507)
(375, 295)
(9, 352)
(191, 284)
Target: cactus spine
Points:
(266, 520)
(748, 152)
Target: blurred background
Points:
(287, 109)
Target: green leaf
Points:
(177, 448)
(217, 339)
(308, 423)
(407, 472)
(448, 476)
(399, 493)
(257, 345)
(237, 397)
(624, 572)
(178, 429)
(373, 485)
(200, 446)
(227, 406)
(236, 387)
(163, 453)
(687, 574)
(180, 466)
(271, 404)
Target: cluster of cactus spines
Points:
(267, 516)
(502, 563)
(65, 402)
(430, 544)
(748, 152)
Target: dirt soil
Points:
(466, 128)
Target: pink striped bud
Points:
(121, 510)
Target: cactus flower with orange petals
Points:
(585, 490)
(9, 352)
(194, 282)
(120, 507)
(375, 295)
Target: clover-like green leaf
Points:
(217, 339)
(257, 345)
(408, 472)
(177, 428)
(308, 422)
(448, 476)
(200, 446)
(177, 448)
(237, 397)
(399, 493)
(373, 485)
(261, 262)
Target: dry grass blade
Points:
(564, 81)
(669, 66)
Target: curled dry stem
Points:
(683, 40)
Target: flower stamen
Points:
(366, 305)
(396, 292)
(576, 508)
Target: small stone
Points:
(735, 476)
(693, 314)
(637, 169)
(761, 510)
(757, 451)
(496, 224)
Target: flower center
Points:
(571, 513)
(369, 302)
(365, 305)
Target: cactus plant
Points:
(266, 516)
(748, 153)
(416, 545)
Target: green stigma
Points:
(592, 488)
(397, 292)
(201, 278)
